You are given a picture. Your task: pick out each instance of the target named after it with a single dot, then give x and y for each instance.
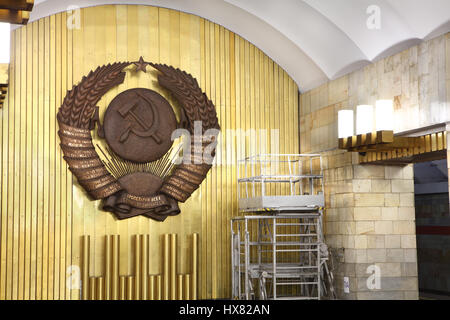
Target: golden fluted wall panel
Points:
(141, 285)
(45, 213)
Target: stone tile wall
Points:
(370, 217)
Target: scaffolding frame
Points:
(256, 175)
(302, 270)
(278, 240)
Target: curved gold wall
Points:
(44, 213)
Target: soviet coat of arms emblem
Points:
(140, 179)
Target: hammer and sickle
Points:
(150, 131)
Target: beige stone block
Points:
(367, 214)
(347, 228)
(409, 269)
(403, 185)
(379, 295)
(368, 171)
(392, 241)
(333, 202)
(390, 269)
(336, 241)
(365, 227)
(411, 295)
(331, 214)
(381, 185)
(348, 200)
(389, 213)
(369, 199)
(375, 241)
(348, 241)
(393, 172)
(391, 200)
(403, 227)
(408, 241)
(345, 186)
(410, 255)
(407, 199)
(383, 227)
(408, 172)
(361, 255)
(376, 255)
(340, 174)
(362, 185)
(406, 213)
(350, 255)
(360, 242)
(305, 103)
(345, 214)
(395, 255)
(348, 172)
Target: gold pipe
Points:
(180, 282)
(100, 288)
(130, 282)
(159, 287)
(194, 265)
(144, 269)
(187, 287)
(85, 276)
(122, 288)
(151, 287)
(173, 266)
(108, 268)
(115, 267)
(92, 290)
(166, 273)
(137, 268)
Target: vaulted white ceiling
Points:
(313, 40)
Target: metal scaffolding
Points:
(281, 253)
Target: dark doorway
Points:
(433, 228)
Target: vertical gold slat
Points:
(100, 288)
(122, 288)
(166, 274)
(151, 287)
(85, 283)
(130, 285)
(194, 265)
(440, 141)
(137, 268)
(57, 158)
(115, 267)
(61, 91)
(187, 287)
(14, 191)
(108, 267)
(180, 283)
(92, 288)
(70, 294)
(144, 264)
(173, 266)
(28, 165)
(159, 288)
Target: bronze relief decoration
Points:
(137, 175)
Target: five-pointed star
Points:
(141, 65)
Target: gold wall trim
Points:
(141, 285)
(45, 213)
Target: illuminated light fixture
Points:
(364, 119)
(345, 123)
(384, 115)
(5, 32)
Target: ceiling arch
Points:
(313, 40)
